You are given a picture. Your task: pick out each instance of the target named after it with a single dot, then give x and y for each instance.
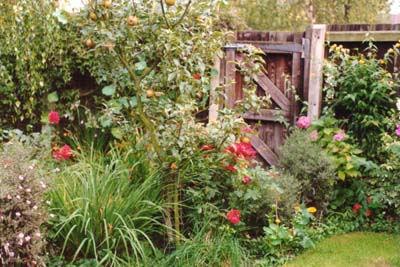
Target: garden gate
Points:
(287, 60)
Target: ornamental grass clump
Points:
(22, 212)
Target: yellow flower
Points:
(297, 208)
(277, 221)
(312, 209)
(361, 62)
(391, 50)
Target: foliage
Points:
(347, 157)
(297, 14)
(101, 213)
(36, 62)
(281, 240)
(22, 208)
(314, 170)
(360, 93)
(206, 248)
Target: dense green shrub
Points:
(36, 62)
(22, 208)
(360, 91)
(311, 166)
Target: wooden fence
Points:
(297, 56)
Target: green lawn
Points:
(353, 250)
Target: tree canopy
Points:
(298, 14)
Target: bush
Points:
(360, 91)
(311, 166)
(22, 211)
(103, 214)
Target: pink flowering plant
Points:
(22, 207)
(335, 141)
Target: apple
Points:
(132, 21)
(170, 2)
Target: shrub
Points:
(360, 91)
(311, 166)
(103, 214)
(22, 211)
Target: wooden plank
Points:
(296, 76)
(230, 78)
(359, 36)
(270, 47)
(317, 51)
(267, 115)
(268, 86)
(214, 99)
(265, 152)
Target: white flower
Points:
(27, 238)
(21, 177)
(52, 215)
(28, 190)
(11, 254)
(18, 196)
(28, 202)
(398, 104)
(18, 214)
(9, 197)
(31, 167)
(38, 234)
(21, 235)
(35, 207)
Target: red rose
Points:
(246, 179)
(233, 216)
(231, 168)
(196, 76)
(64, 153)
(54, 118)
(368, 213)
(207, 147)
(356, 207)
(369, 199)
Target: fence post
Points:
(315, 75)
(214, 98)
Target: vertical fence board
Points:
(317, 52)
(230, 78)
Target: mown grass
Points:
(353, 250)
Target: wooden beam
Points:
(359, 36)
(270, 88)
(214, 99)
(271, 47)
(267, 115)
(317, 51)
(230, 78)
(264, 151)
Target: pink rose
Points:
(303, 122)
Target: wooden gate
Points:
(285, 53)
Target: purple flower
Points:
(303, 122)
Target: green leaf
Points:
(341, 175)
(109, 90)
(52, 97)
(140, 65)
(133, 102)
(117, 133)
(214, 72)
